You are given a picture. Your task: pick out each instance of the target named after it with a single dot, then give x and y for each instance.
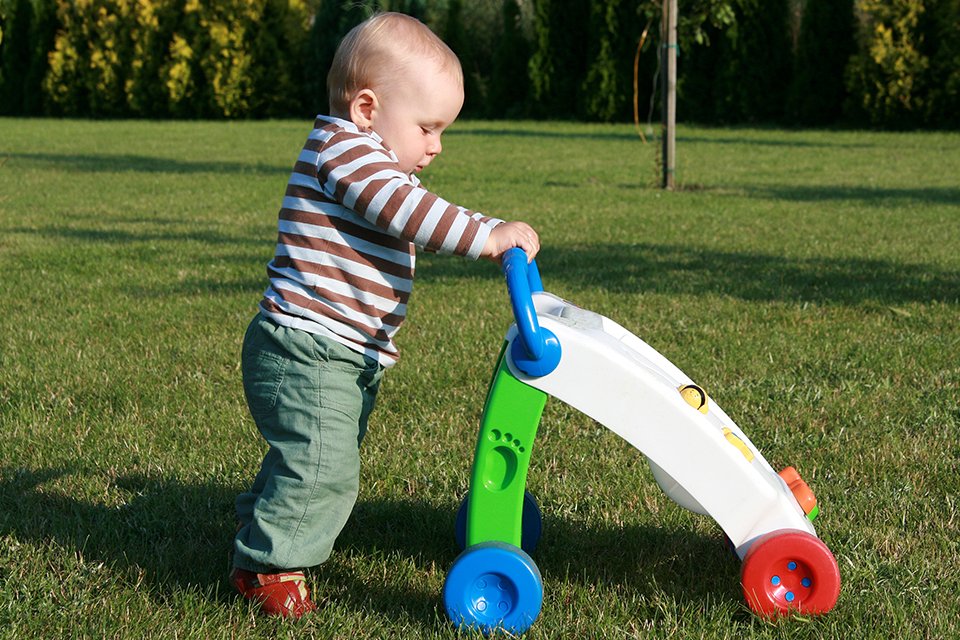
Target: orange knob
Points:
(801, 491)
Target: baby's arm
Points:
(360, 174)
(509, 235)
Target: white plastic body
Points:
(624, 384)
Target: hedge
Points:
(885, 63)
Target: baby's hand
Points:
(508, 235)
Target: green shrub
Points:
(888, 62)
(85, 68)
(231, 58)
(559, 61)
(943, 39)
(510, 80)
(333, 19)
(824, 46)
(757, 73)
(886, 77)
(16, 16)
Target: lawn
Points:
(809, 280)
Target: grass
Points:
(810, 281)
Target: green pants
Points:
(310, 398)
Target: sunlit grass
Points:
(809, 280)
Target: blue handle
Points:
(540, 349)
(522, 280)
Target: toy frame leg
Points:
(508, 428)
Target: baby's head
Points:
(394, 76)
(383, 50)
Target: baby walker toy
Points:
(699, 457)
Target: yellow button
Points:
(694, 396)
(738, 443)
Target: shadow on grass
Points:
(119, 163)
(627, 267)
(506, 132)
(173, 535)
(169, 533)
(618, 268)
(676, 269)
(792, 141)
(689, 567)
(881, 196)
(140, 232)
(599, 133)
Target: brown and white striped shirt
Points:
(348, 229)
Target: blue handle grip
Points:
(523, 280)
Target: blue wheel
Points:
(492, 586)
(531, 524)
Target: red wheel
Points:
(790, 571)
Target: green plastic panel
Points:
(502, 458)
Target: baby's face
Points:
(414, 112)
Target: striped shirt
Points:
(348, 228)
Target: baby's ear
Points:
(363, 107)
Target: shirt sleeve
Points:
(362, 175)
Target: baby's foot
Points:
(278, 594)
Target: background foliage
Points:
(861, 62)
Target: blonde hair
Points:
(373, 52)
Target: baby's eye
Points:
(426, 130)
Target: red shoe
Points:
(279, 594)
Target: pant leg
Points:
(246, 501)
(263, 369)
(311, 398)
(256, 359)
